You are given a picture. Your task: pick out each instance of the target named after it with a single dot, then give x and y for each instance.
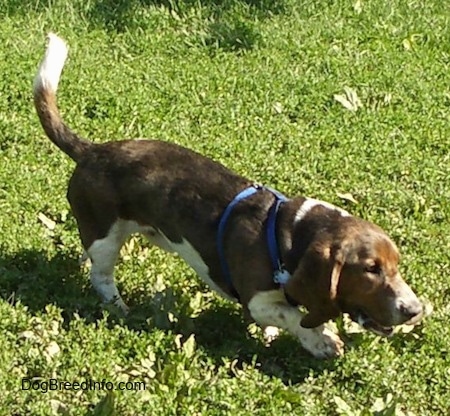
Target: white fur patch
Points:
(191, 256)
(270, 308)
(310, 203)
(51, 66)
(104, 252)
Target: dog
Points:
(248, 242)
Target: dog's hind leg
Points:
(103, 254)
(101, 230)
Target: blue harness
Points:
(280, 274)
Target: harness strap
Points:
(221, 229)
(280, 274)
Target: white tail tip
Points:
(51, 66)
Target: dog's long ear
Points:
(316, 282)
(338, 263)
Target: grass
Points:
(253, 84)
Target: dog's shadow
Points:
(222, 332)
(35, 280)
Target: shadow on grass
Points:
(227, 25)
(36, 281)
(222, 332)
(119, 15)
(115, 13)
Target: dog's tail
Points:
(45, 86)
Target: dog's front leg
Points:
(270, 308)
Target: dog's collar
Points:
(280, 274)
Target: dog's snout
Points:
(411, 310)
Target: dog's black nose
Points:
(411, 310)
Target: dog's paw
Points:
(120, 304)
(117, 307)
(322, 343)
(270, 333)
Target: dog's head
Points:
(353, 268)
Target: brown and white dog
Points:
(176, 197)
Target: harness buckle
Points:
(281, 276)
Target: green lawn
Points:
(253, 84)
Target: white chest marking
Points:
(310, 203)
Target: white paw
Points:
(322, 343)
(270, 333)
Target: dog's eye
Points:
(373, 268)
